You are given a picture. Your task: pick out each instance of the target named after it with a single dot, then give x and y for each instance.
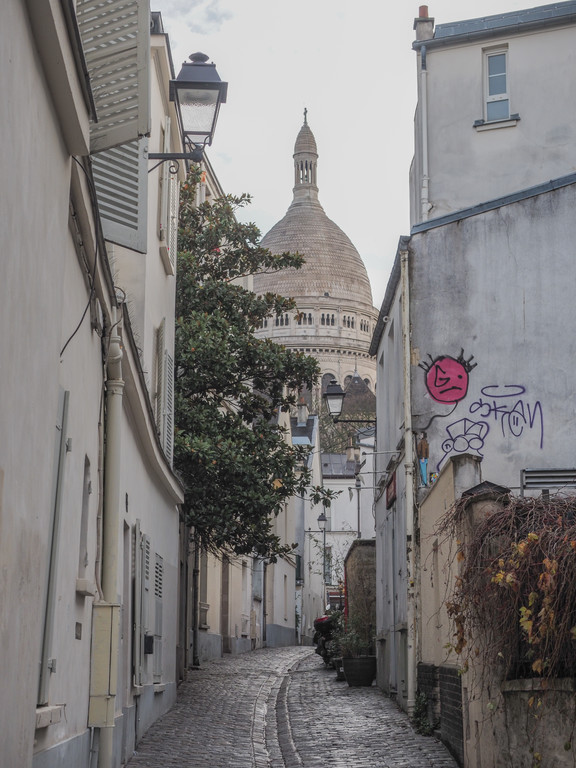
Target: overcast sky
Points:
(351, 64)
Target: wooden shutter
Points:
(116, 39)
(121, 181)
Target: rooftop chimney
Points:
(302, 413)
(424, 25)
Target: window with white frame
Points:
(497, 97)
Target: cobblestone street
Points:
(280, 708)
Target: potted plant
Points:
(358, 640)
(357, 648)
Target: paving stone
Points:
(280, 708)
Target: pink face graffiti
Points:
(447, 380)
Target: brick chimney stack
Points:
(424, 25)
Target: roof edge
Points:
(505, 30)
(393, 282)
(497, 202)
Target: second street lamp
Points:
(322, 520)
(334, 399)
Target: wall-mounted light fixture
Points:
(334, 399)
(197, 93)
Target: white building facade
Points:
(90, 525)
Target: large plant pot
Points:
(360, 670)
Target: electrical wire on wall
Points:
(91, 276)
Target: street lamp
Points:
(197, 93)
(334, 399)
(322, 520)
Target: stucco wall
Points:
(468, 166)
(491, 296)
(36, 245)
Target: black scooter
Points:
(324, 627)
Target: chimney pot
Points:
(423, 12)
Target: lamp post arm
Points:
(354, 421)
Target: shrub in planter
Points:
(358, 659)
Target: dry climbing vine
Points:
(513, 605)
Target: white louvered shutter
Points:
(116, 40)
(159, 394)
(173, 221)
(138, 637)
(164, 212)
(168, 421)
(158, 600)
(121, 180)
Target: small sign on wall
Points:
(391, 491)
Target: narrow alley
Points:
(280, 708)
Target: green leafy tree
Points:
(231, 451)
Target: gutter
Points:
(498, 202)
(424, 187)
(485, 34)
(409, 473)
(106, 613)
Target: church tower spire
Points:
(305, 164)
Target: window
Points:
(496, 85)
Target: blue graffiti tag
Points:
(513, 417)
(505, 405)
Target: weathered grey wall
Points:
(279, 637)
(498, 286)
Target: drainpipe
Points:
(409, 470)
(424, 191)
(111, 534)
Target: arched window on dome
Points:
(326, 379)
(332, 320)
(352, 322)
(309, 319)
(286, 320)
